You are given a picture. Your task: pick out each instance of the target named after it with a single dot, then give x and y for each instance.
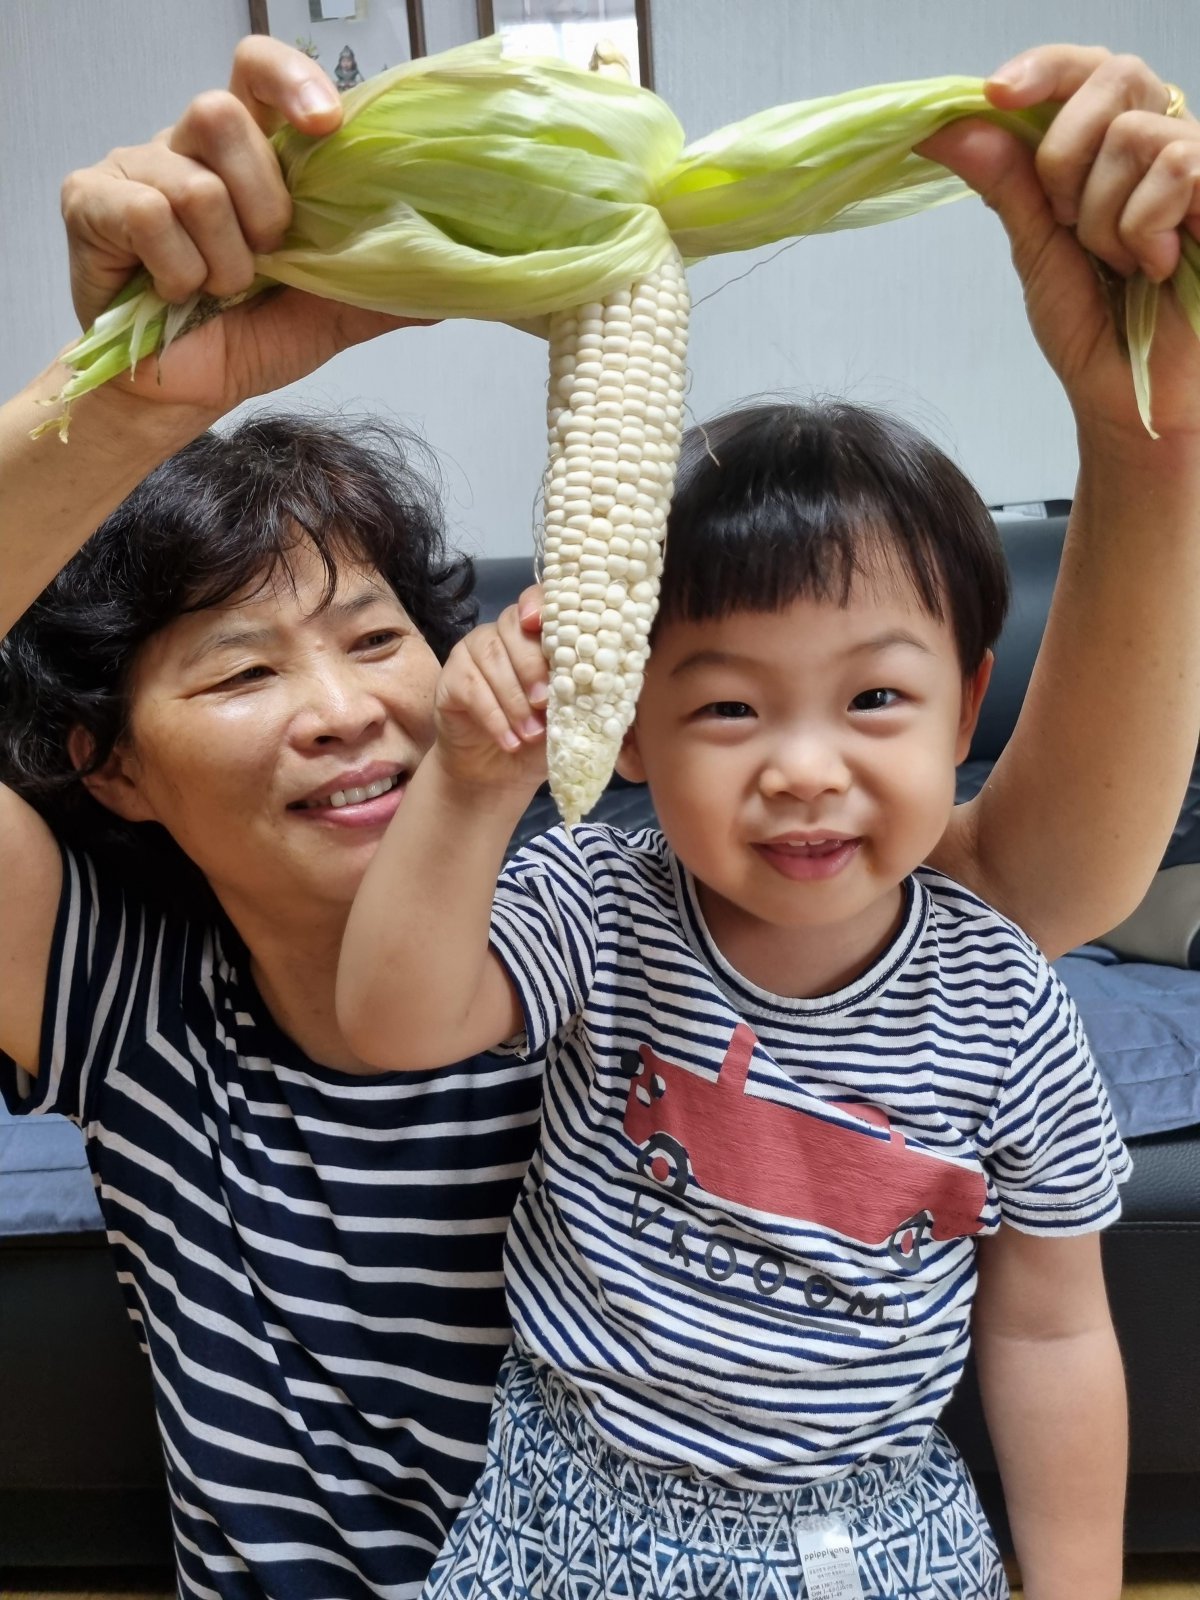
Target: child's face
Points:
(802, 764)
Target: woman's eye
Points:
(247, 675)
(875, 700)
(376, 640)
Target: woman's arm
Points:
(1077, 812)
(53, 497)
(1054, 1394)
(1072, 825)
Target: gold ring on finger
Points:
(1176, 101)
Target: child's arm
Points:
(417, 984)
(1054, 1394)
(1073, 823)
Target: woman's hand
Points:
(193, 206)
(1114, 176)
(1101, 753)
(491, 702)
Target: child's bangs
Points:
(764, 557)
(778, 503)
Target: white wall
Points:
(78, 77)
(923, 316)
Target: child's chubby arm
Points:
(417, 985)
(1054, 1394)
(1073, 823)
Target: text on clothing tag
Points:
(827, 1557)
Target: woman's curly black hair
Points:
(213, 521)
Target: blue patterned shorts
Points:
(558, 1515)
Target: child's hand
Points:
(491, 702)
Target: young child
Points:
(794, 1076)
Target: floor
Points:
(1148, 1578)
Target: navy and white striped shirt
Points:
(747, 1237)
(312, 1260)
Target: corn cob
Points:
(615, 417)
(615, 420)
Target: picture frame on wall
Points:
(571, 29)
(352, 39)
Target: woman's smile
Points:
(369, 805)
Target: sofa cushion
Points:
(45, 1182)
(1143, 1023)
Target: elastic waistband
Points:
(676, 1493)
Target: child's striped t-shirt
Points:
(748, 1236)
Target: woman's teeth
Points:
(353, 797)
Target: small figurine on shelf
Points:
(346, 73)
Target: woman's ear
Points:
(974, 689)
(629, 762)
(114, 784)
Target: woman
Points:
(313, 1259)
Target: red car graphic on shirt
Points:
(864, 1182)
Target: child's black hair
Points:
(779, 502)
(213, 521)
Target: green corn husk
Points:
(1186, 281)
(473, 185)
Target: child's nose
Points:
(805, 765)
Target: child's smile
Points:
(802, 765)
(806, 859)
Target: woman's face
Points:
(273, 737)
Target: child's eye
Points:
(728, 710)
(875, 700)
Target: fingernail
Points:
(315, 99)
(539, 694)
(1013, 74)
(532, 728)
(509, 740)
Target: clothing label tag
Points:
(827, 1556)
